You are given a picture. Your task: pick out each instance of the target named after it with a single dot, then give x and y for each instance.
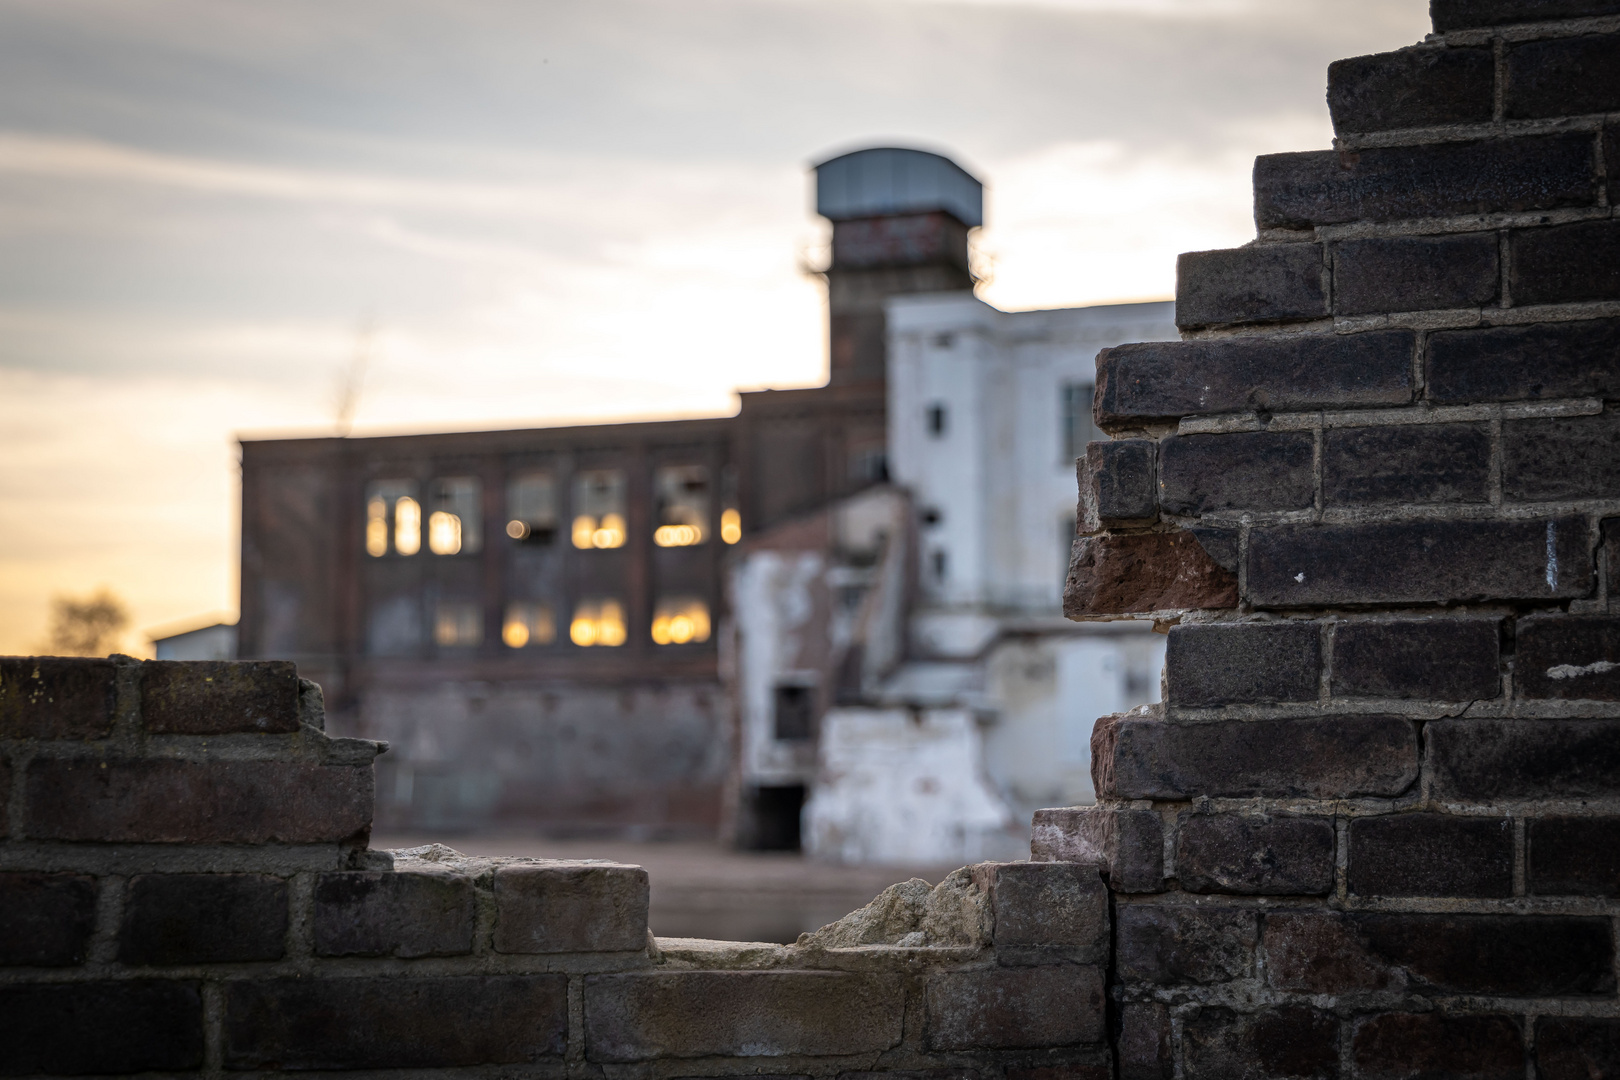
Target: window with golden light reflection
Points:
(682, 508)
(392, 512)
(531, 508)
(678, 620)
(458, 623)
(407, 526)
(599, 509)
(454, 520)
(528, 623)
(598, 621)
(730, 526)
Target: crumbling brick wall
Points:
(1374, 829)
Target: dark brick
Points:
(1431, 855)
(1505, 759)
(394, 1023)
(1415, 273)
(643, 1015)
(1229, 663)
(129, 1026)
(203, 919)
(1220, 544)
(1110, 575)
(393, 914)
(1564, 76)
(1289, 1041)
(1012, 1008)
(1525, 363)
(1438, 1046)
(5, 795)
(1119, 484)
(1412, 463)
(1145, 1049)
(45, 919)
(196, 802)
(1321, 952)
(1418, 659)
(1419, 562)
(1167, 380)
(55, 698)
(1251, 470)
(1317, 757)
(1506, 955)
(1059, 908)
(1568, 656)
(1574, 856)
(209, 697)
(562, 907)
(1129, 844)
(1071, 1071)
(1416, 87)
(1330, 187)
(1611, 153)
(1462, 14)
(1263, 283)
(1577, 1047)
(1570, 457)
(1565, 263)
(1255, 855)
(1166, 944)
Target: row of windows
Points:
(681, 512)
(597, 621)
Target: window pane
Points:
(682, 511)
(1078, 429)
(678, 620)
(457, 622)
(531, 508)
(793, 715)
(599, 509)
(453, 517)
(528, 623)
(392, 510)
(597, 621)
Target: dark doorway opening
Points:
(775, 818)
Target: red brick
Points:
(570, 908)
(56, 698)
(208, 697)
(1012, 1008)
(1399, 1046)
(1136, 572)
(46, 919)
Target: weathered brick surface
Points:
(1417, 87)
(1252, 470)
(1015, 1008)
(45, 697)
(1056, 907)
(1387, 466)
(1507, 759)
(1255, 855)
(203, 919)
(1116, 574)
(1572, 657)
(1565, 263)
(207, 697)
(1166, 944)
(1573, 856)
(1397, 1046)
(1416, 273)
(166, 801)
(1128, 844)
(1419, 562)
(1286, 1041)
(394, 914)
(1463, 14)
(1563, 76)
(392, 1023)
(1320, 757)
(1431, 855)
(1327, 187)
(1321, 952)
(1611, 152)
(1524, 363)
(45, 919)
(1119, 483)
(1508, 955)
(1577, 1048)
(643, 1015)
(1576, 457)
(1144, 1042)
(1271, 283)
(1169, 380)
(1226, 663)
(1435, 659)
(570, 908)
(127, 1026)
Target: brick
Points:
(1012, 1008)
(1574, 856)
(1262, 283)
(1388, 466)
(56, 698)
(1119, 484)
(1398, 1046)
(1320, 952)
(1418, 659)
(45, 919)
(1168, 380)
(1255, 855)
(1525, 363)
(1463, 14)
(1144, 1046)
(1129, 844)
(211, 697)
(393, 914)
(203, 919)
(1419, 562)
(1562, 76)
(1488, 176)
(1117, 574)
(1571, 457)
(1315, 757)
(1565, 263)
(394, 1023)
(1505, 759)
(1577, 1047)
(1285, 1041)
(5, 795)
(1506, 955)
(1071, 1071)
(1055, 908)
(1251, 470)
(570, 907)
(128, 1026)
(1431, 855)
(643, 1015)
(1611, 152)
(196, 802)
(1167, 945)
(1573, 657)
(1232, 663)
(1417, 87)
(1415, 273)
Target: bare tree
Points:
(88, 627)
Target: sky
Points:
(227, 217)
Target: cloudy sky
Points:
(546, 210)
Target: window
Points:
(680, 619)
(1077, 428)
(392, 512)
(528, 623)
(939, 566)
(793, 712)
(870, 466)
(936, 420)
(730, 526)
(597, 621)
(682, 511)
(531, 508)
(599, 509)
(457, 622)
(453, 519)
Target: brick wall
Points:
(1373, 497)
(186, 888)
